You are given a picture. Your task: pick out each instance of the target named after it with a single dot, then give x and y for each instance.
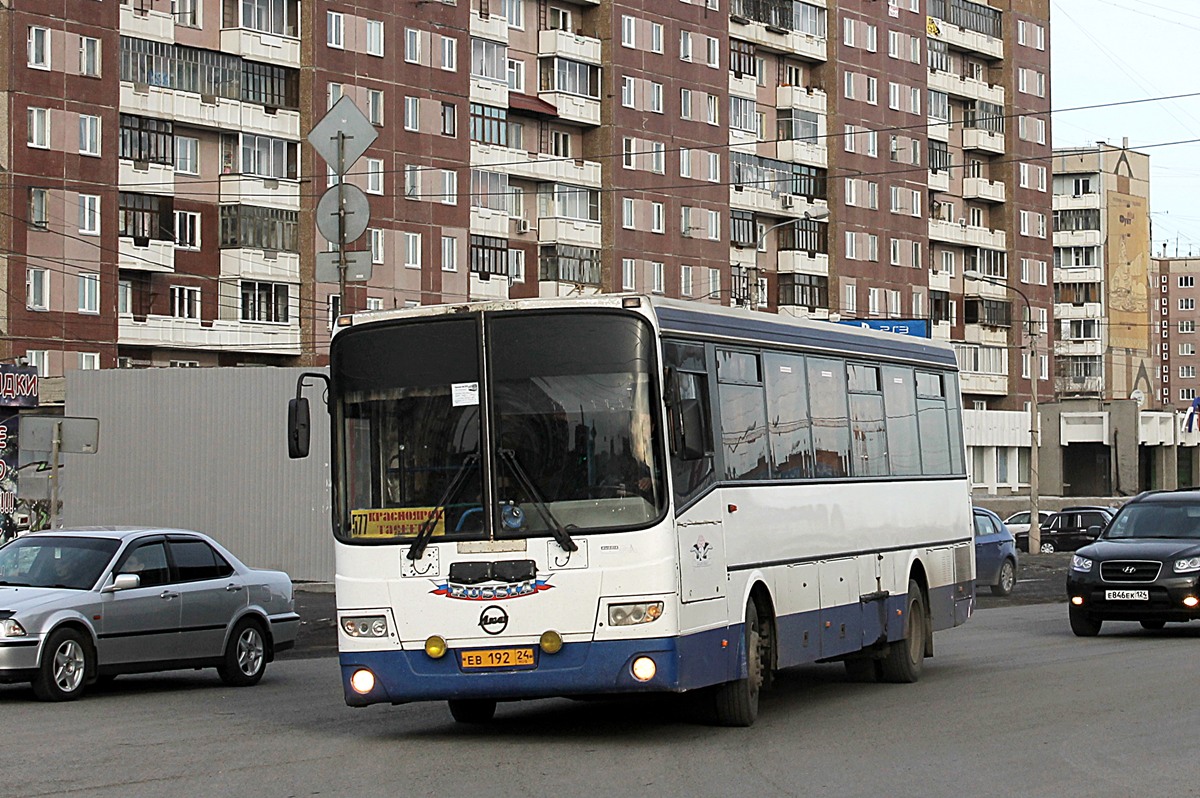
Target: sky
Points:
(1115, 51)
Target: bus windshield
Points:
(574, 426)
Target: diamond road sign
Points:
(357, 133)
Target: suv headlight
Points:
(365, 626)
(1082, 564)
(1188, 565)
(634, 614)
(10, 628)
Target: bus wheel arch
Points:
(917, 575)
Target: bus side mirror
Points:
(690, 434)
(298, 427)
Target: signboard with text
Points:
(18, 388)
(918, 328)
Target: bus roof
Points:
(708, 322)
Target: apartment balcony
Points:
(268, 192)
(259, 264)
(800, 312)
(939, 180)
(199, 110)
(1078, 274)
(987, 289)
(758, 200)
(493, 27)
(801, 262)
(1065, 347)
(965, 235)
(798, 151)
(265, 47)
(490, 92)
(1077, 202)
(743, 257)
(985, 335)
(743, 85)
(221, 335)
(969, 40)
(939, 280)
(965, 88)
(779, 40)
(557, 230)
(743, 140)
(488, 222)
(550, 289)
(1065, 311)
(571, 107)
(976, 138)
(1075, 386)
(986, 384)
(980, 188)
(937, 130)
(535, 165)
(495, 286)
(1077, 238)
(802, 98)
(565, 44)
(145, 177)
(146, 255)
(148, 23)
(940, 331)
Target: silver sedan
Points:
(80, 605)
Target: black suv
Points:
(1068, 529)
(1144, 567)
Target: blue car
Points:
(995, 553)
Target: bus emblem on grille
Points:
(493, 620)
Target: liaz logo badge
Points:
(492, 591)
(493, 620)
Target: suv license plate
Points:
(1127, 595)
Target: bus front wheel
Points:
(737, 701)
(906, 657)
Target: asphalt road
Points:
(1011, 705)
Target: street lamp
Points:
(822, 213)
(1035, 532)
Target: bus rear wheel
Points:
(737, 701)
(906, 657)
(472, 710)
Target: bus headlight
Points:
(365, 626)
(634, 614)
(363, 681)
(644, 669)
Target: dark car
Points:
(1144, 567)
(1068, 529)
(995, 553)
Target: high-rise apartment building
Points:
(1173, 314)
(838, 159)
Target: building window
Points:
(516, 75)
(335, 24)
(412, 250)
(37, 289)
(187, 155)
(657, 270)
(489, 60)
(449, 119)
(89, 214)
(514, 12)
(516, 265)
(187, 230)
(489, 256)
(449, 253)
(412, 45)
(39, 199)
(377, 245)
(374, 175)
(375, 106)
(449, 60)
(255, 227)
(40, 360)
(185, 302)
(264, 302)
(39, 48)
(89, 361)
(375, 37)
(628, 274)
(89, 57)
(489, 124)
(412, 114)
(39, 128)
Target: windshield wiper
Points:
(417, 550)
(558, 530)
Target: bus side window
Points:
(688, 414)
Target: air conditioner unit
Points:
(788, 200)
(522, 225)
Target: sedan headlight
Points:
(1082, 564)
(1188, 565)
(365, 626)
(634, 614)
(10, 628)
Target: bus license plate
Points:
(1127, 595)
(499, 658)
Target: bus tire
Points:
(472, 710)
(737, 701)
(906, 657)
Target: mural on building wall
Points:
(1129, 269)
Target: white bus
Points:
(625, 494)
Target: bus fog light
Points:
(363, 681)
(436, 647)
(634, 614)
(1190, 602)
(644, 669)
(365, 626)
(1077, 601)
(551, 642)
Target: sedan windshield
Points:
(1156, 520)
(62, 562)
